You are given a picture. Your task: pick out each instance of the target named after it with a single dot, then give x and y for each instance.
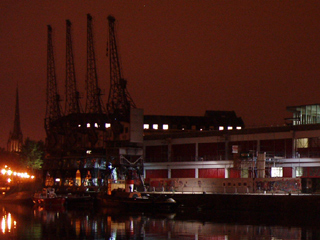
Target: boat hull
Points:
(56, 201)
(138, 203)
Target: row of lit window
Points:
(107, 125)
(221, 128)
(164, 126)
(156, 126)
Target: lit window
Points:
(221, 128)
(96, 125)
(145, 126)
(239, 127)
(165, 127)
(88, 125)
(108, 125)
(302, 143)
(299, 171)
(230, 127)
(57, 179)
(155, 126)
(276, 172)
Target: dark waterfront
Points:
(29, 222)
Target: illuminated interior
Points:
(276, 172)
(305, 114)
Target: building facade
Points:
(290, 151)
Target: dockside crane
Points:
(73, 117)
(93, 103)
(53, 108)
(72, 102)
(119, 100)
(119, 106)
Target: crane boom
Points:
(53, 110)
(72, 104)
(119, 101)
(93, 104)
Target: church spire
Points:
(16, 137)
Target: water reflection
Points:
(28, 222)
(8, 224)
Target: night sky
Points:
(179, 57)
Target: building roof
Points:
(210, 121)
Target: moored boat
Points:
(75, 200)
(48, 197)
(136, 201)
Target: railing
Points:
(302, 154)
(217, 190)
(185, 159)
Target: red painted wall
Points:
(183, 173)
(244, 146)
(211, 151)
(183, 152)
(287, 172)
(156, 153)
(212, 173)
(311, 172)
(159, 173)
(234, 173)
(278, 147)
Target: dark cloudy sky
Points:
(180, 57)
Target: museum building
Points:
(229, 150)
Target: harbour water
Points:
(30, 222)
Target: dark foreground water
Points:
(28, 222)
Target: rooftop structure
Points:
(212, 120)
(305, 114)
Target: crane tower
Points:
(119, 101)
(72, 95)
(53, 111)
(93, 104)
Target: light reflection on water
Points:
(28, 222)
(8, 225)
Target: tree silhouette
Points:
(32, 154)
